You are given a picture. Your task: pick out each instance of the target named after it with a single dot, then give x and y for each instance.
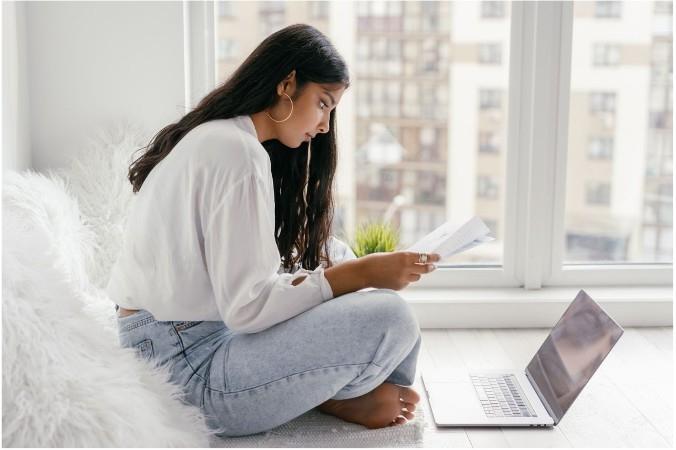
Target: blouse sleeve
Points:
(340, 251)
(243, 262)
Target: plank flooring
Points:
(628, 402)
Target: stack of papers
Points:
(448, 240)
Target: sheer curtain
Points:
(15, 136)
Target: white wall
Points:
(92, 64)
(15, 137)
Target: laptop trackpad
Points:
(454, 402)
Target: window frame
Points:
(536, 153)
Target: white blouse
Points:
(199, 240)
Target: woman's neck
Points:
(263, 126)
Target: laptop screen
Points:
(572, 352)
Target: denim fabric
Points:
(249, 383)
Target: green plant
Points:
(375, 237)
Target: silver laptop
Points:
(569, 356)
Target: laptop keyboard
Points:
(501, 396)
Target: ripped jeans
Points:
(246, 383)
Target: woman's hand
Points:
(395, 270)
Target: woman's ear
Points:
(288, 84)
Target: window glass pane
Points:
(452, 121)
(619, 175)
(429, 84)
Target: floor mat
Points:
(316, 429)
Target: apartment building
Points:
(430, 83)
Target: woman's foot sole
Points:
(387, 405)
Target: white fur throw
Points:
(97, 178)
(66, 382)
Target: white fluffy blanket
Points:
(66, 382)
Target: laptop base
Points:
(454, 401)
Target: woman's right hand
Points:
(396, 270)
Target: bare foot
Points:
(387, 405)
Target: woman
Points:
(234, 202)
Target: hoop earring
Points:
(287, 118)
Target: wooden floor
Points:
(628, 402)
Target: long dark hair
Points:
(252, 88)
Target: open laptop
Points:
(566, 361)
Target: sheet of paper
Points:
(448, 240)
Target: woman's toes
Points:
(398, 421)
(408, 395)
(408, 415)
(409, 406)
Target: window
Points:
(489, 99)
(598, 193)
(657, 212)
(430, 16)
(608, 9)
(378, 97)
(656, 240)
(430, 100)
(378, 16)
(227, 49)
(363, 49)
(379, 48)
(430, 125)
(606, 55)
(393, 49)
(430, 56)
(618, 153)
(271, 7)
(602, 102)
(411, 100)
(490, 53)
(394, 9)
(600, 148)
(392, 64)
(390, 180)
(661, 68)
(319, 10)
(660, 119)
(225, 9)
(429, 144)
(364, 99)
(272, 15)
(492, 10)
(488, 142)
(430, 189)
(487, 187)
(392, 98)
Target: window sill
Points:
(520, 308)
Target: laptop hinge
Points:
(542, 397)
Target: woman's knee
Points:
(387, 307)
